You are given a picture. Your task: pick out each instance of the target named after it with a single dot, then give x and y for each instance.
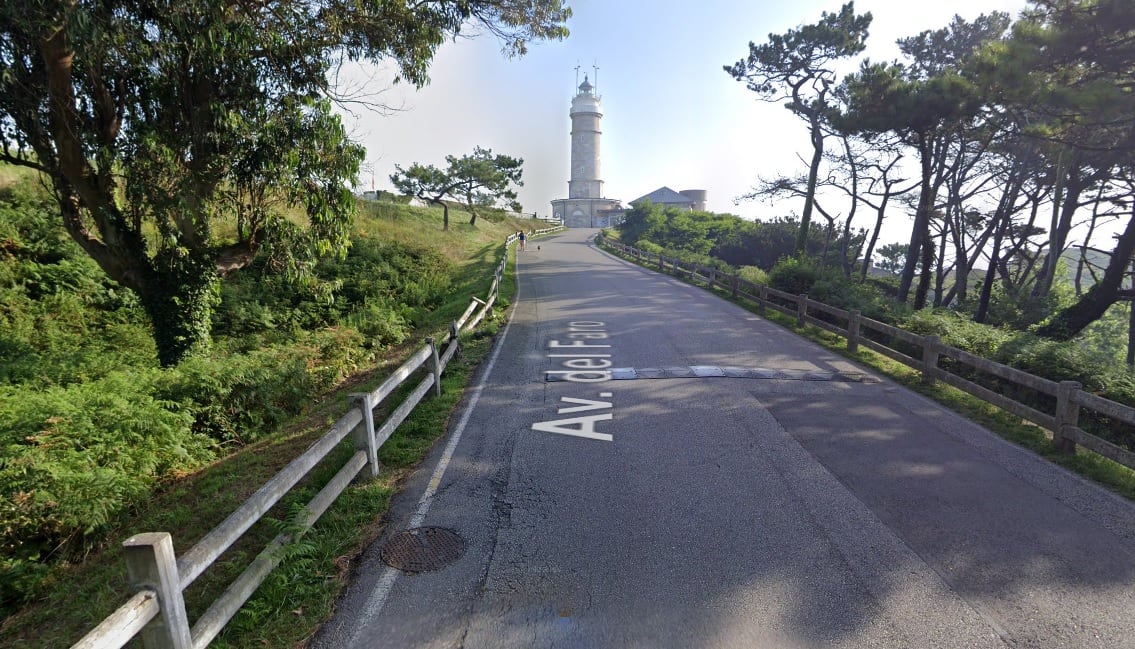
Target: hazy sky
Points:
(672, 116)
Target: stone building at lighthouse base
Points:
(588, 212)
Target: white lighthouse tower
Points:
(585, 206)
(586, 114)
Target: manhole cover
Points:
(423, 549)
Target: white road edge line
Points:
(381, 591)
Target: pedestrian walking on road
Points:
(523, 238)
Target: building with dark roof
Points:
(687, 199)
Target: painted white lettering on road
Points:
(586, 362)
(583, 426)
(584, 365)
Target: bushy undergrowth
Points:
(74, 457)
(828, 285)
(794, 275)
(61, 320)
(382, 288)
(753, 274)
(1096, 371)
(89, 423)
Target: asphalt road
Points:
(713, 511)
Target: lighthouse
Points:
(586, 114)
(585, 206)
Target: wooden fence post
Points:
(661, 262)
(801, 309)
(363, 435)
(931, 346)
(712, 278)
(734, 281)
(435, 365)
(1067, 415)
(762, 296)
(151, 564)
(853, 331)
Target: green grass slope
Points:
(99, 442)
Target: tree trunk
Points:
(178, 293)
(469, 204)
(921, 232)
(960, 289)
(982, 311)
(941, 271)
(1073, 186)
(1003, 218)
(1091, 307)
(926, 273)
(880, 212)
(817, 136)
(845, 247)
(1083, 262)
(444, 211)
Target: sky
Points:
(672, 115)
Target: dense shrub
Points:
(832, 288)
(239, 398)
(753, 274)
(794, 275)
(61, 319)
(956, 330)
(73, 458)
(381, 287)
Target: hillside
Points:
(99, 442)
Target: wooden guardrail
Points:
(156, 611)
(936, 362)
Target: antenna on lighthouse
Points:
(596, 69)
(576, 77)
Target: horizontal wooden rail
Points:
(121, 626)
(1011, 374)
(1105, 407)
(830, 310)
(1005, 403)
(1100, 446)
(214, 619)
(1068, 396)
(202, 555)
(145, 612)
(825, 325)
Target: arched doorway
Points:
(578, 219)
